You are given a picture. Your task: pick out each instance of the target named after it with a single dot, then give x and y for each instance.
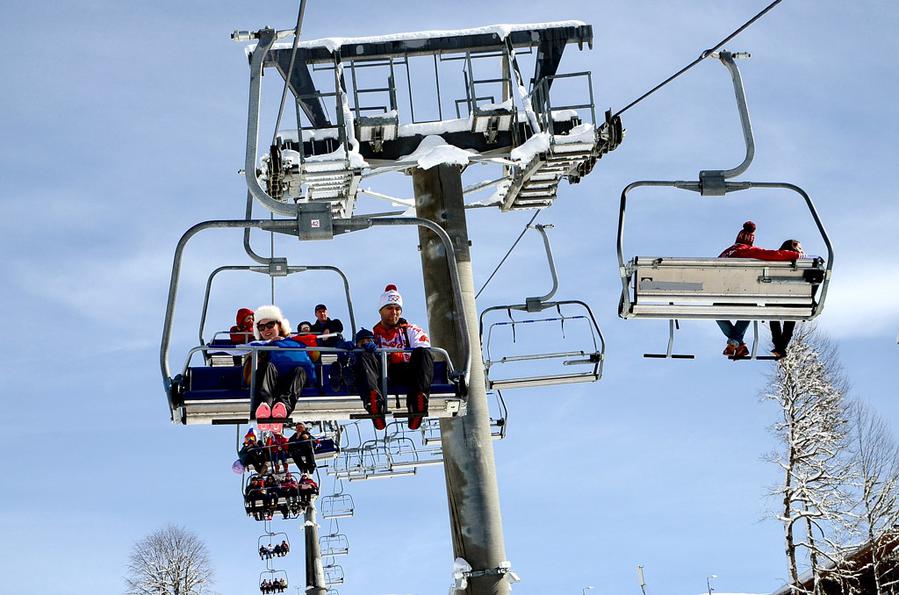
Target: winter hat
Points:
(320, 307)
(270, 313)
(243, 313)
(747, 234)
(251, 435)
(364, 333)
(391, 296)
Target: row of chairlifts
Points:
(265, 493)
(272, 580)
(678, 288)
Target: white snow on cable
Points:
(433, 150)
(501, 31)
(539, 143)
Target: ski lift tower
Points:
(358, 113)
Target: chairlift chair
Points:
(336, 506)
(567, 311)
(273, 575)
(334, 544)
(218, 395)
(404, 453)
(677, 288)
(333, 574)
(269, 539)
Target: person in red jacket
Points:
(744, 247)
(242, 332)
(414, 368)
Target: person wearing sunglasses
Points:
(281, 373)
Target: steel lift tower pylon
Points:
(311, 175)
(469, 467)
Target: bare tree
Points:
(875, 462)
(171, 561)
(810, 389)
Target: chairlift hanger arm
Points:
(712, 180)
(266, 40)
(536, 302)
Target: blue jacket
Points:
(288, 359)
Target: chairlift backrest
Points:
(286, 270)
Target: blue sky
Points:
(124, 125)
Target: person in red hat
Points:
(242, 332)
(744, 247)
(413, 367)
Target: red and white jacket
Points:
(404, 336)
(746, 251)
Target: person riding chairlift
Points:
(415, 369)
(242, 332)
(282, 373)
(744, 247)
(301, 449)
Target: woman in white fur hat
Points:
(281, 373)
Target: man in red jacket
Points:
(413, 368)
(743, 248)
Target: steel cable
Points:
(701, 57)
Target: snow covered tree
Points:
(809, 388)
(171, 561)
(874, 457)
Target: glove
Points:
(370, 347)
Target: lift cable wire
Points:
(501, 262)
(293, 55)
(701, 57)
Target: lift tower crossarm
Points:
(482, 39)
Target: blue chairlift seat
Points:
(218, 395)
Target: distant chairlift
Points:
(333, 574)
(676, 288)
(272, 539)
(338, 505)
(566, 312)
(272, 576)
(334, 544)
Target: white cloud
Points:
(862, 301)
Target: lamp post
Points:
(708, 582)
(585, 589)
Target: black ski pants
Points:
(272, 386)
(303, 454)
(417, 374)
(781, 335)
